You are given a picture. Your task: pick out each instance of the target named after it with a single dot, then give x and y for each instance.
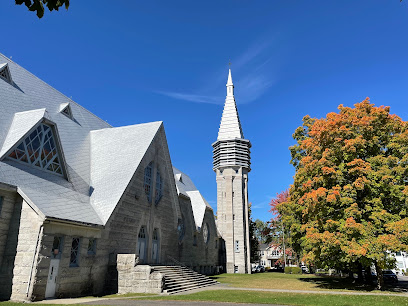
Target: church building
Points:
(79, 197)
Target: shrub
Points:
(296, 270)
(288, 270)
(267, 268)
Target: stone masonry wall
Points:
(137, 278)
(85, 279)
(29, 238)
(8, 239)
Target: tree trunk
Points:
(380, 279)
(360, 272)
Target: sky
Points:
(132, 62)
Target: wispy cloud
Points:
(253, 73)
(191, 97)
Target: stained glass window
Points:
(39, 149)
(159, 187)
(74, 259)
(148, 181)
(206, 233)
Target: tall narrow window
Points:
(57, 247)
(148, 181)
(155, 246)
(1, 204)
(159, 188)
(206, 233)
(236, 246)
(92, 246)
(141, 244)
(75, 248)
(39, 149)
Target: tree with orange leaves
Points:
(348, 204)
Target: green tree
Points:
(38, 5)
(348, 203)
(253, 241)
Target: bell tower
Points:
(231, 163)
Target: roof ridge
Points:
(126, 126)
(55, 89)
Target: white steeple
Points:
(230, 127)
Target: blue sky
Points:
(138, 61)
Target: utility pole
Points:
(283, 242)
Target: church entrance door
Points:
(52, 278)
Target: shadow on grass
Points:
(333, 283)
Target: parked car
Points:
(260, 268)
(304, 269)
(390, 277)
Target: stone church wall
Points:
(87, 278)
(134, 210)
(9, 227)
(28, 238)
(195, 253)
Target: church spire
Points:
(230, 127)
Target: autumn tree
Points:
(348, 203)
(280, 235)
(262, 231)
(38, 5)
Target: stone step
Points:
(171, 291)
(179, 279)
(181, 283)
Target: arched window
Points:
(159, 188)
(155, 246)
(148, 173)
(180, 229)
(141, 244)
(206, 233)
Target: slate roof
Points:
(85, 141)
(115, 156)
(230, 127)
(186, 187)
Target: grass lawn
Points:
(260, 297)
(275, 280)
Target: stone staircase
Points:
(179, 278)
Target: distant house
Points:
(271, 255)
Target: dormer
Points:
(34, 140)
(65, 108)
(5, 73)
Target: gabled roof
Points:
(23, 103)
(115, 155)
(188, 189)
